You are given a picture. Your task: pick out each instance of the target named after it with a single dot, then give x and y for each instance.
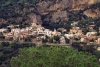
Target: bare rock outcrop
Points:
(58, 8)
(59, 15)
(82, 4)
(63, 4)
(33, 18)
(2, 20)
(43, 6)
(92, 13)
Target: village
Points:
(39, 35)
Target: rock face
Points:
(63, 4)
(59, 15)
(92, 13)
(33, 18)
(82, 4)
(58, 9)
(51, 11)
(43, 6)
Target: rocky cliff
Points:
(60, 9)
(46, 11)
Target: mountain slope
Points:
(47, 12)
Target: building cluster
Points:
(89, 37)
(33, 30)
(36, 30)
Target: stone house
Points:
(73, 31)
(92, 37)
(98, 50)
(98, 41)
(83, 39)
(69, 36)
(90, 33)
(3, 30)
(62, 40)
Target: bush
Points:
(1, 49)
(44, 40)
(50, 40)
(57, 39)
(3, 57)
(7, 51)
(5, 44)
(97, 53)
(67, 40)
(0, 62)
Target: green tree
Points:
(67, 40)
(50, 40)
(57, 39)
(53, 56)
(44, 40)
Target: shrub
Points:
(5, 44)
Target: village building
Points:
(91, 26)
(62, 30)
(83, 39)
(76, 31)
(91, 33)
(9, 36)
(99, 29)
(56, 33)
(74, 23)
(92, 37)
(69, 36)
(73, 31)
(34, 24)
(62, 40)
(47, 32)
(40, 30)
(98, 48)
(16, 30)
(98, 41)
(3, 30)
(79, 33)
(10, 26)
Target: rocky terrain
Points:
(44, 12)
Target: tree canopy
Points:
(53, 56)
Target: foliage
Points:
(84, 47)
(50, 40)
(44, 40)
(56, 25)
(5, 44)
(84, 24)
(3, 57)
(14, 43)
(28, 39)
(7, 50)
(57, 39)
(15, 9)
(97, 54)
(53, 56)
(97, 5)
(67, 40)
(77, 38)
(14, 2)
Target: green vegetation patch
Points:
(53, 56)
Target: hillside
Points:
(49, 13)
(28, 23)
